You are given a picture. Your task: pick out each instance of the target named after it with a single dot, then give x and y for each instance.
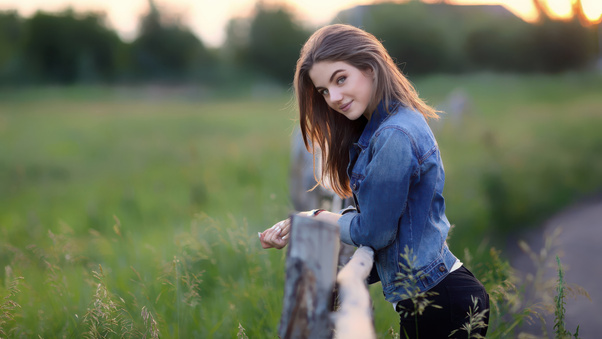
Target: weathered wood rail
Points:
(311, 279)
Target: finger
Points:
(280, 226)
(266, 239)
(269, 231)
(264, 244)
(276, 236)
(272, 239)
(273, 233)
(271, 236)
(264, 234)
(285, 231)
(277, 243)
(276, 228)
(282, 242)
(288, 223)
(277, 225)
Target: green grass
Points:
(76, 168)
(528, 146)
(146, 205)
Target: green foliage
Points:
(508, 309)
(262, 47)
(559, 309)
(419, 37)
(275, 40)
(408, 281)
(106, 315)
(69, 47)
(8, 307)
(500, 46)
(532, 145)
(476, 320)
(121, 190)
(417, 42)
(241, 332)
(549, 56)
(11, 39)
(165, 49)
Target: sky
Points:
(208, 18)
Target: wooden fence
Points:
(311, 281)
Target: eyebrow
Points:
(332, 76)
(335, 73)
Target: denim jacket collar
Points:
(379, 115)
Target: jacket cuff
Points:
(348, 209)
(345, 225)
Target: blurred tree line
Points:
(70, 47)
(427, 38)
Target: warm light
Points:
(521, 8)
(592, 9)
(561, 9)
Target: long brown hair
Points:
(323, 127)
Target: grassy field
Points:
(135, 211)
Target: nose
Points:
(335, 95)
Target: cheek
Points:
(329, 103)
(369, 89)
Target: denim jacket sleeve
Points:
(382, 191)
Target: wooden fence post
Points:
(354, 318)
(311, 267)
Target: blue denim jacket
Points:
(397, 177)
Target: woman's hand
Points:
(276, 236)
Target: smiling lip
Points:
(346, 106)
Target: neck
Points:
(368, 114)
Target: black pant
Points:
(453, 297)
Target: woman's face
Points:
(346, 89)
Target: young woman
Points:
(355, 104)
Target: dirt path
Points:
(579, 246)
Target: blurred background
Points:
(197, 42)
(143, 144)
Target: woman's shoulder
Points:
(406, 119)
(412, 125)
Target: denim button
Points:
(442, 268)
(354, 186)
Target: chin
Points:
(353, 116)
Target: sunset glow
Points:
(208, 18)
(560, 8)
(592, 9)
